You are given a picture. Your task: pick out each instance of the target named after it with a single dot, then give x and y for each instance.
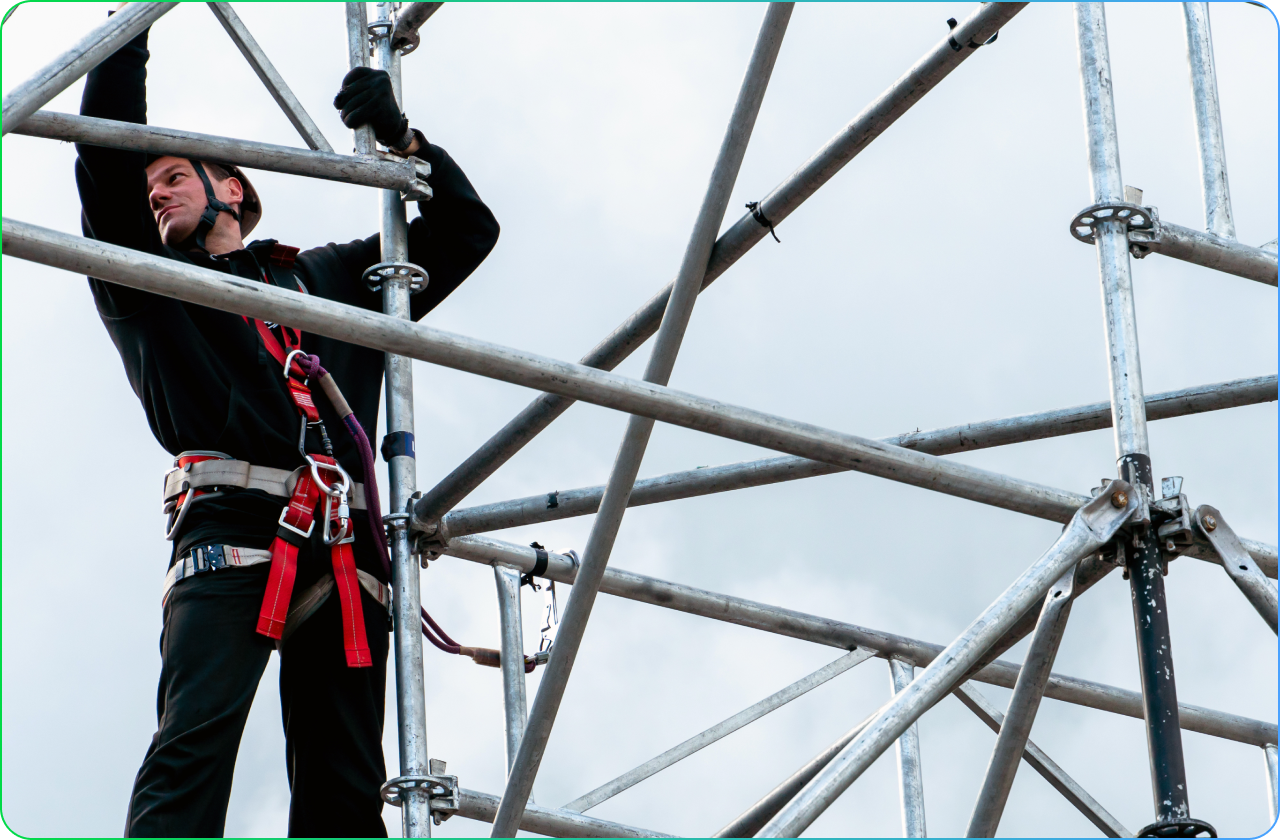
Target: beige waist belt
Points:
(223, 474)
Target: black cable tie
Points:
(955, 45)
(759, 216)
(539, 566)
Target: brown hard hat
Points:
(250, 205)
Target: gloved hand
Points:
(366, 98)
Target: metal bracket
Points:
(444, 798)
(1175, 531)
(1142, 224)
(396, 272)
(421, 190)
(1238, 563)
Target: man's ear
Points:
(235, 190)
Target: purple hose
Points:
(373, 505)
(310, 366)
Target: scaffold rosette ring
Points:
(441, 790)
(415, 276)
(1134, 216)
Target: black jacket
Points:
(204, 377)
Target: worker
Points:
(215, 391)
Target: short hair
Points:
(216, 171)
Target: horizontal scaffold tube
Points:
(553, 822)
(386, 173)
(838, 634)
(546, 507)
(1203, 248)
(407, 338)
(780, 203)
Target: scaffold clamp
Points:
(443, 796)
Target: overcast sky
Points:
(931, 282)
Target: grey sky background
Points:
(931, 282)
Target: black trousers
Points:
(212, 660)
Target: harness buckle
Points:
(306, 535)
(206, 558)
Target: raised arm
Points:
(113, 183)
(453, 233)
(454, 230)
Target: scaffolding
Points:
(1123, 523)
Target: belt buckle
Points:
(206, 558)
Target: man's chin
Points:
(174, 236)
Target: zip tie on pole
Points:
(955, 45)
(759, 216)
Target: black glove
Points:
(366, 98)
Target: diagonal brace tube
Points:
(1094, 525)
(794, 624)
(1045, 766)
(921, 78)
(1027, 694)
(965, 438)
(270, 77)
(604, 531)
(725, 727)
(88, 53)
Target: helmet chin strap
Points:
(213, 207)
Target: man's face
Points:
(177, 198)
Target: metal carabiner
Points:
(344, 516)
(316, 466)
(288, 360)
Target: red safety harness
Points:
(297, 520)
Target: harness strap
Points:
(204, 558)
(213, 206)
(297, 521)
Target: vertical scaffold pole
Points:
(1273, 788)
(358, 56)
(415, 807)
(1204, 93)
(514, 702)
(910, 777)
(1143, 560)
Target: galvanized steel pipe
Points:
(1204, 95)
(1023, 705)
(613, 504)
(583, 501)
(90, 51)
(840, 634)
(270, 77)
(384, 172)
(921, 78)
(1208, 250)
(907, 749)
(1089, 530)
